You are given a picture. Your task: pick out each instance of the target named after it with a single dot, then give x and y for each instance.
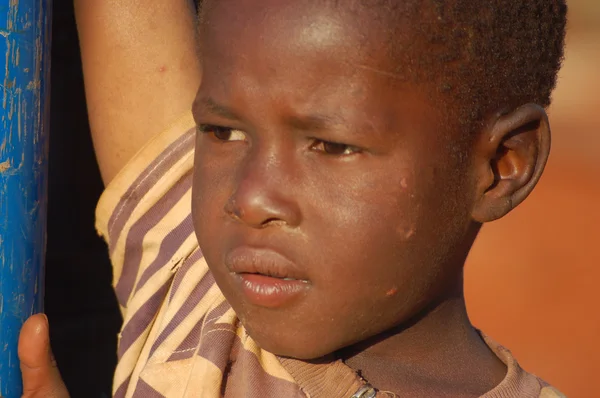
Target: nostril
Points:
(273, 222)
(234, 211)
(261, 208)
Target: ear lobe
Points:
(513, 153)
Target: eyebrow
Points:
(218, 109)
(310, 122)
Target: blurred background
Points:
(531, 278)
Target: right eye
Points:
(222, 133)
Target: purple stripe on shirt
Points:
(247, 377)
(188, 306)
(243, 374)
(135, 237)
(185, 267)
(169, 245)
(145, 181)
(188, 346)
(144, 390)
(220, 345)
(122, 390)
(140, 321)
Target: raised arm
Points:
(141, 71)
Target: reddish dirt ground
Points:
(532, 278)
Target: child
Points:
(346, 156)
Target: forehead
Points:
(272, 30)
(305, 48)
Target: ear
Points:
(510, 157)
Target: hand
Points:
(41, 378)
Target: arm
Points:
(141, 71)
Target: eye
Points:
(222, 133)
(334, 148)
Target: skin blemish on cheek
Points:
(392, 292)
(410, 233)
(406, 233)
(162, 69)
(404, 183)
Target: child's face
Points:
(371, 229)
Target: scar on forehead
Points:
(396, 76)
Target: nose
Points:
(263, 195)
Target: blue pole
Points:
(25, 63)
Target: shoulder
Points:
(146, 202)
(550, 392)
(518, 382)
(152, 169)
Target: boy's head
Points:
(349, 152)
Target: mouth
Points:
(265, 277)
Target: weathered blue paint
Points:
(25, 64)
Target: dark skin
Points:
(311, 148)
(359, 223)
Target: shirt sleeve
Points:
(144, 214)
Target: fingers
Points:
(41, 378)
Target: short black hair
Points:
(490, 55)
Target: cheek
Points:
(377, 206)
(380, 232)
(209, 192)
(365, 228)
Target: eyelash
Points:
(216, 131)
(327, 147)
(347, 150)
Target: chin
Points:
(296, 352)
(297, 349)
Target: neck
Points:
(440, 353)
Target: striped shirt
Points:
(180, 337)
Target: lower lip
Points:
(269, 292)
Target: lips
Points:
(265, 277)
(265, 262)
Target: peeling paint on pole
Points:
(25, 51)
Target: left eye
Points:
(334, 148)
(222, 133)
